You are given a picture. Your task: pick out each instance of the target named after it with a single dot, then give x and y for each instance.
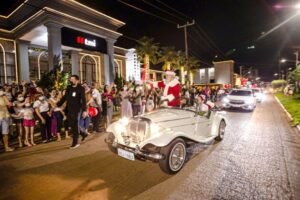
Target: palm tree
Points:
(180, 64)
(147, 52)
(168, 56)
(193, 64)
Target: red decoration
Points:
(92, 111)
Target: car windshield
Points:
(240, 93)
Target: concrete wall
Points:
(224, 72)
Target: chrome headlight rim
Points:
(124, 121)
(225, 100)
(249, 101)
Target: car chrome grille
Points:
(137, 129)
(236, 101)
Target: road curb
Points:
(287, 113)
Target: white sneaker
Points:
(74, 146)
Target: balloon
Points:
(92, 111)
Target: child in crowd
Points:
(27, 114)
(28, 123)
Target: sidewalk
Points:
(13, 138)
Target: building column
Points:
(109, 70)
(206, 75)
(23, 60)
(54, 44)
(75, 62)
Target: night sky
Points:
(224, 28)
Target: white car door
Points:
(202, 126)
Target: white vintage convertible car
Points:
(163, 135)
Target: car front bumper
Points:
(138, 153)
(242, 106)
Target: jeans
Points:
(84, 123)
(45, 128)
(59, 120)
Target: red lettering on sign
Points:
(80, 40)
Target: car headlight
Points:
(225, 100)
(154, 128)
(259, 96)
(124, 121)
(249, 101)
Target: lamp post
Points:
(297, 58)
(281, 61)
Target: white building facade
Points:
(39, 34)
(133, 66)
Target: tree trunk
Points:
(182, 77)
(147, 67)
(168, 66)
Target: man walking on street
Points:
(76, 106)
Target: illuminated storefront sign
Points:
(78, 39)
(85, 41)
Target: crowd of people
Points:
(31, 108)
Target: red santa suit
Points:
(171, 91)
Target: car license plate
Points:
(125, 154)
(236, 106)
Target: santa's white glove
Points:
(163, 98)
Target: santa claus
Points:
(171, 89)
(205, 106)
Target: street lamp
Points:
(283, 60)
(276, 74)
(297, 6)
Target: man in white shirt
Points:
(97, 104)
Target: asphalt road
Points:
(258, 159)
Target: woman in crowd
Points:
(126, 108)
(150, 105)
(136, 101)
(18, 105)
(84, 123)
(107, 105)
(57, 114)
(42, 109)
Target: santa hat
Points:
(170, 72)
(202, 97)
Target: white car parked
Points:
(240, 98)
(163, 135)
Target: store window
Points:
(88, 69)
(38, 63)
(118, 66)
(67, 66)
(7, 61)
